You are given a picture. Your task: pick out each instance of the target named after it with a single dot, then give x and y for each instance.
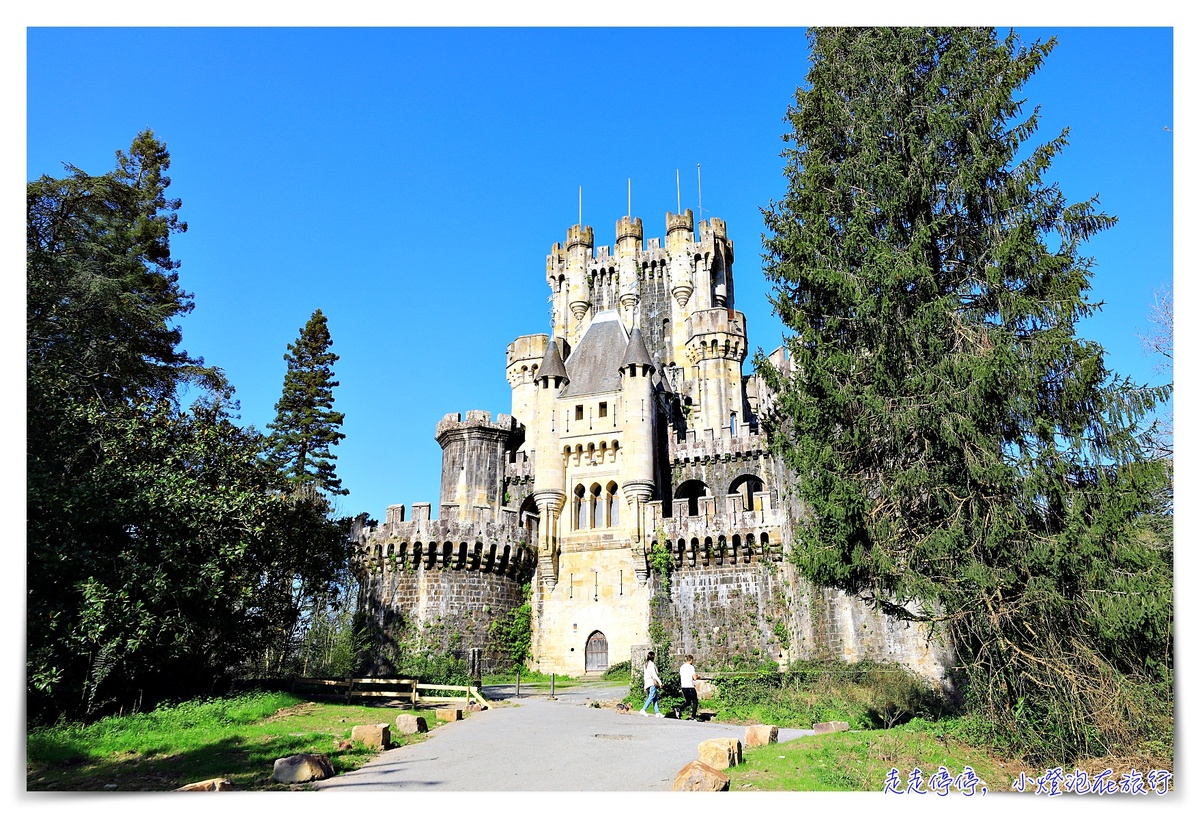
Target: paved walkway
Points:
(535, 744)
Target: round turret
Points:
(679, 231)
(629, 235)
(580, 236)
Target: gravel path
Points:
(535, 744)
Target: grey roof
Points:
(635, 351)
(594, 364)
(552, 362)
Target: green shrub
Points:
(867, 695)
(620, 670)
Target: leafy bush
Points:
(513, 632)
(620, 670)
(865, 694)
(434, 668)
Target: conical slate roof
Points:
(552, 362)
(636, 352)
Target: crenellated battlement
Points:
(476, 419)
(723, 531)
(706, 445)
(445, 543)
(680, 221)
(629, 227)
(716, 321)
(712, 228)
(527, 348)
(630, 241)
(580, 235)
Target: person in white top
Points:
(687, 683)
(651, 683)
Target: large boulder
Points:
(301, 768)
(376, 736)
(209, 785)
(699, 777)
(409, 723)
(721, 753)
(705, 690)
(831, 727)
(758, 735)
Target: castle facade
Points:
(632, 425)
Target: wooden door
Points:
(596, 653)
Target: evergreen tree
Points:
(305, 425)
(964, 457)
(162, 551)
(103, 294)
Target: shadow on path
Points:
(538, 744)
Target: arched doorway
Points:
(595, 655)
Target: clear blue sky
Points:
(410, 182)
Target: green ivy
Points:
(662, 564)
(513, 632)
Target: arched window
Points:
(692, 490)
(614, 505)
(597, 510)
(747, 486)
(580, 508)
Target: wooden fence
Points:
(408, 690)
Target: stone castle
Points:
(632, 425)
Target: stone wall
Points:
(440, 609)
(764, 611)
(724, 614)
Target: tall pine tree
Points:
(162, 553)
(306, 427)
(964, 456)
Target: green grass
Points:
(861, 761)
(238, 738)
(866, 695)
(532, 679)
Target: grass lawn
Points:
(862, 761)
(237, 738)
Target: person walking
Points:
(651, 683)
(687, 683)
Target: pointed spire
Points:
(636, 353)
(552, 363)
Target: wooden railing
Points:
(409, 690)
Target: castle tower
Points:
(629, 245)
(474, 454)
(638, 424)
(716, 260)
(716, 348)
(549, 475)
(524, 357)
(570, 323)
(680, 248)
